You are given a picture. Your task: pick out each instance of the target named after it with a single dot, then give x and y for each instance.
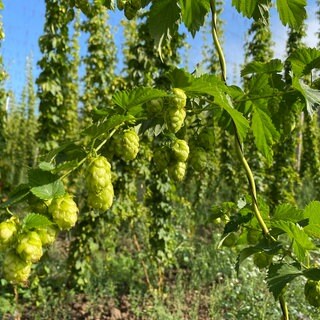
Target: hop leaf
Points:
(29, 247)
(64, 212)
(15, 269)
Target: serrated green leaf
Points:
(257, 67)
(49, 191)
(257, 9)
(301, 242)
(288, 213)
(179, 78)
(247, 8)
(292, 12)
(279, 275)
(162, 20)
(312, 213)
(67, 165)
(311, 96)
(244, 254)
(213, 86)
(312, 274)
(129, 99)
(46, 166)
(105, 125)
(304, 60)
(193, 13)
(35, 220)
(38, 177)
(264, 132)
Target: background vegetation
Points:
(162, 250)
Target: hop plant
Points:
(121, 4)
(154, 106)
(29, 246)
(161, 158)
(64, 212)
(262, 260)
(180, 150)
(8, 230)
(98, 174)
(177, 170)
(47, 234)
(179, 98)
(127, 145)
(312, 292)
(206, 138)
(198, 159)
(174, 118)
(101, 200)
(15, 269)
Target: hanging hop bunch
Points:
(130, 7)
(126, 144)
(177, 166)
(175, 112)
(99, 184)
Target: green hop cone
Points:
(127, 145)
(198, 159)
(230, 240)
(64, 212)
(180, 150)
(253, 236)
(98, 174)
(47, 235)
(174, 118)
(312, 292)
(154, 106)
(29, 246)
(161, 158)
(262, 260)
(101, 200)
(8, 230)
(206, 138)
(179, 99)
(15, 269)
(177, 170)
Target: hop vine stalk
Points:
(239, 149)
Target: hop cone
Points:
(174, 118)
(64, 212)
(29, 247)
(177, 171)
(15, 269)
(101, 200)
(8, 229)
(180, 150)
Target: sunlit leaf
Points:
(292, 12)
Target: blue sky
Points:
(23, 24)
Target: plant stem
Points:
(284, 308)
(237, 138)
